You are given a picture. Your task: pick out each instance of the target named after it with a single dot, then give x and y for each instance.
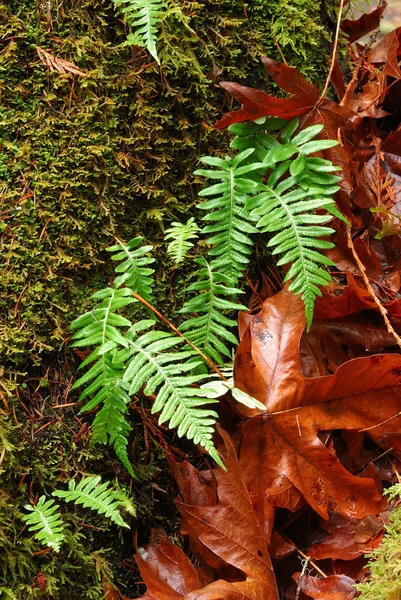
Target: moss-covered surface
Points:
(83, 158)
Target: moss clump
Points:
(385, 561)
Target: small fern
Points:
(180, 234)
(144, 17)
(209, 329)
(45, 520)
(97, 496)
(99, 327)
(231, 220)
(134, 269)
(139, 358)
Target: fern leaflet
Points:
(181, 233)
(208, 330)
(44, 519)
(144, 17)
(90, 494)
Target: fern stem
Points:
(176, 331)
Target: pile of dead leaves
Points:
(301, 501)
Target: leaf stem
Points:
(333, 58)
(178, 332)
(382, 309)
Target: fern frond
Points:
(144, 17)
(90, 494)
(134, 268)
(103, 380)
(286, 209)
(44, 519)
(230, 219)
(168, 375)
(209, 329)
(288, 205)
(181, 233)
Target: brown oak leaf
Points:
(363, 394)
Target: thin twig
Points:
(382, 309)
(305, 566)
(313, 564)
(310, 561)
(178, 332)
(333, 58)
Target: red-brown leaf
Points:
(334, 587)
(365, 24)
(362, 393)
(166, 571)
(348, 538)
(231, 530)
(258, 104)
(387, 52)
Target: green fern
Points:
(286, 209)
(181, 233)
(134, 269)
(287, 205)
(209, 329)
(151, 365)
(123, 364)
(144, 17)
(99, 327)
(230, 218)
(255, 135)
(93, 494)
(44, 519)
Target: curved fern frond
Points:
(44, 519)
(134, 269)
(103, 379)
(288, 210)
(230, 219)
(144, 17)
(90, 494)
(209, 329)
(181, 233)
(169, 377)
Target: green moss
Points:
(385, 561)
